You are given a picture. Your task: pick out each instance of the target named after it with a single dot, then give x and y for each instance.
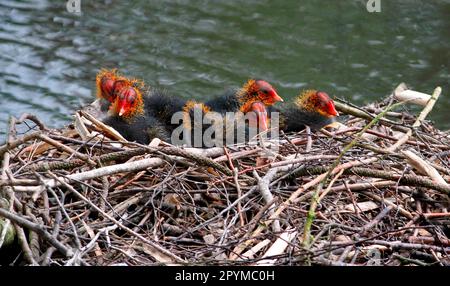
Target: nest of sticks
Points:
(374, 192)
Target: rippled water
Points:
(49, 57)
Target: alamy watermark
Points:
(198, 128)
(373, 6)
(73, 6)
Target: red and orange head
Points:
(317, 101)
(128, 102)
(124, 93)
(106, 82)
(258, 90)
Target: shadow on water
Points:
(49, 57)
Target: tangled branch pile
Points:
(374, 192)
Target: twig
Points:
(66, 251)
(163, 252)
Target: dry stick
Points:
(61, 206)
(97, 251)
(404, 245)
(33, 236)
(387, 202)
(162, 251)
(345, 108)
(363, 186)
(437, 91)
(6, 225)
(17, 182)
(135, 166)
(263, 185)
(46, 257)
(105, 158)
(328, 189)
(14, 144)
(237, 155)
(90, 143)
(236, 182)
(302, 159)
(278, 247)
(255, 220)
(309, 142)
(315, 198)
(345, 254)
(64, 148)
(423, 166)
(239, 193)
(429, 240)
(409, 260)
(402, 140)
(95, 173)
(225, 210)
(250, 254)
(392, 138)
(408, 180)
(434, 215)
(93, 243)
(25, 246)
(328, 262)
(237, 250)
(102, 127)
(33, 118)
(66, 251)
(377, 219)
(191, 153)
(197, 157)
(384, 151)
(105, 193)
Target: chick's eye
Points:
(131, 99)
(121, 96)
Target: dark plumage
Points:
(312, 108)
(141, 128)
(225, 102)
(294, 119)
(253, 96)
(162, 106)
(253, 90)
(136, 117)
(249, 117)
(141, 117)
(146, 117)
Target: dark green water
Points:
(49, 57)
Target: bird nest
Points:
(373, 192)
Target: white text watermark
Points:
(198, 128)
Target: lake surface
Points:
(49, 57)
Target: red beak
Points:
(332, 109)
(122, 107)
(276, 97)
